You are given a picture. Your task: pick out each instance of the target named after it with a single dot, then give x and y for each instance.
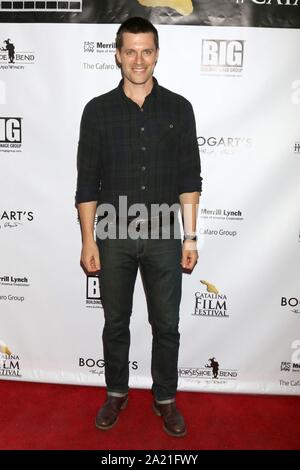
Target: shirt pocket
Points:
(166, 131)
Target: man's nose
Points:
(139, 58)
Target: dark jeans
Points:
(159, 263)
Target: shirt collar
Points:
(153, 93)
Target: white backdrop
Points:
(244, 319)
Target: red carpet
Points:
(47, 416)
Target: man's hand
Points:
(189, 254)
(90, 257)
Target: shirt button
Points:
(143, 168)
(143, 148)
(141, 110)
(142, 129)
(171, 126)
(143, 187)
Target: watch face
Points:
(190, 237)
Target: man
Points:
(139, 142)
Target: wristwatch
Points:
(193, 238)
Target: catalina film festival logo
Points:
(210, 302)
(13, 56)
(211, 372)
(9, 362)
(10, 134)
(222, 57)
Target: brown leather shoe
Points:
(108, 414)
(173, 421)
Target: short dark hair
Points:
(136, 25)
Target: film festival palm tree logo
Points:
(9, 362)
(10, 49)
(4, 349)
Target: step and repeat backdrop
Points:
(238, 63)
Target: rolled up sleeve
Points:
(89, 156)
(189, 176)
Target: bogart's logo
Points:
(221, 145)
(210, 303)
(222, 56)
(12, 219)
(292, 303)
(97, 366)
(9, 362)
(12, 58)
(10, 134)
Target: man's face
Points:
(137, 57)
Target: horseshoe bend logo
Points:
(13, 58)
(210, 372)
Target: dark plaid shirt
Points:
(149, 154)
